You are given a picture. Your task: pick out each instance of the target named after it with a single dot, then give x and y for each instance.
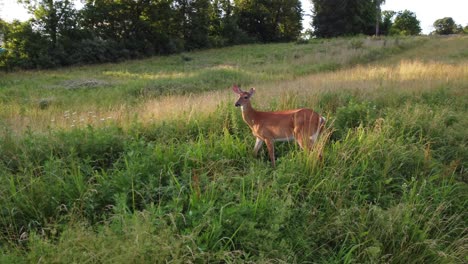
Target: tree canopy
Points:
(446, 26)
(406, 24)
(332, 18)
(270, 20)
(113, 30)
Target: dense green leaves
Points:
(24, 47)
(446, 26)
(337, 18)
(343, 18)
(278, 20)
(108, 31)
(406, 24)
(387, 22)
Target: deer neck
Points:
(248, 114)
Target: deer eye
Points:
(246, 97)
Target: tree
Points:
(164, 28)
(332, 18)
(52, 17)
(3, 26)
(378, 15)
(445, 26)
(25, 48)
(458, 29)
(270, 20)
(56, 22)
(387, 21)
(130, 28)
(288, 18)
(113, 30)
(405, 24)
(195, 17)
(224, 25)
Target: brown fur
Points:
(268, 127)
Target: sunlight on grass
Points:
(411, 70)
(407, 76)
(145, 167)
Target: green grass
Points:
(167, 182)
(104, 86)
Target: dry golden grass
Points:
(407, 76)
(397, 73)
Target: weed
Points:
(171, 178)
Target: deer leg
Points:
(317, 133)
(271, 151)
(313, 140)
(302, 139)
(299, 141)
(258, 145)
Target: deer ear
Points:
(252, 91)
(236, 89)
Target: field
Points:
(149, 161)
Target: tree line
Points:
(111, 30)
(101, 31)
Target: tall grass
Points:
(97, 94)
(173, 179)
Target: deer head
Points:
(244, 97)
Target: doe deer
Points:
(303, 125)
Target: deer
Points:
(302, 125)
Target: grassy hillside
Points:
(149, 161)
(119, 91)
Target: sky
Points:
(427, 11)
(10, 9)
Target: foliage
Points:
(25, 48)
(405, 24)
(133, 82)
(193, 192)
(446, 26)
(225, 29)
(278, 20)
(344, 18)
(378, 17)
(183, 186)
(112, 31)
(109, 31)
(387, 22)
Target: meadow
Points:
(149, 161)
